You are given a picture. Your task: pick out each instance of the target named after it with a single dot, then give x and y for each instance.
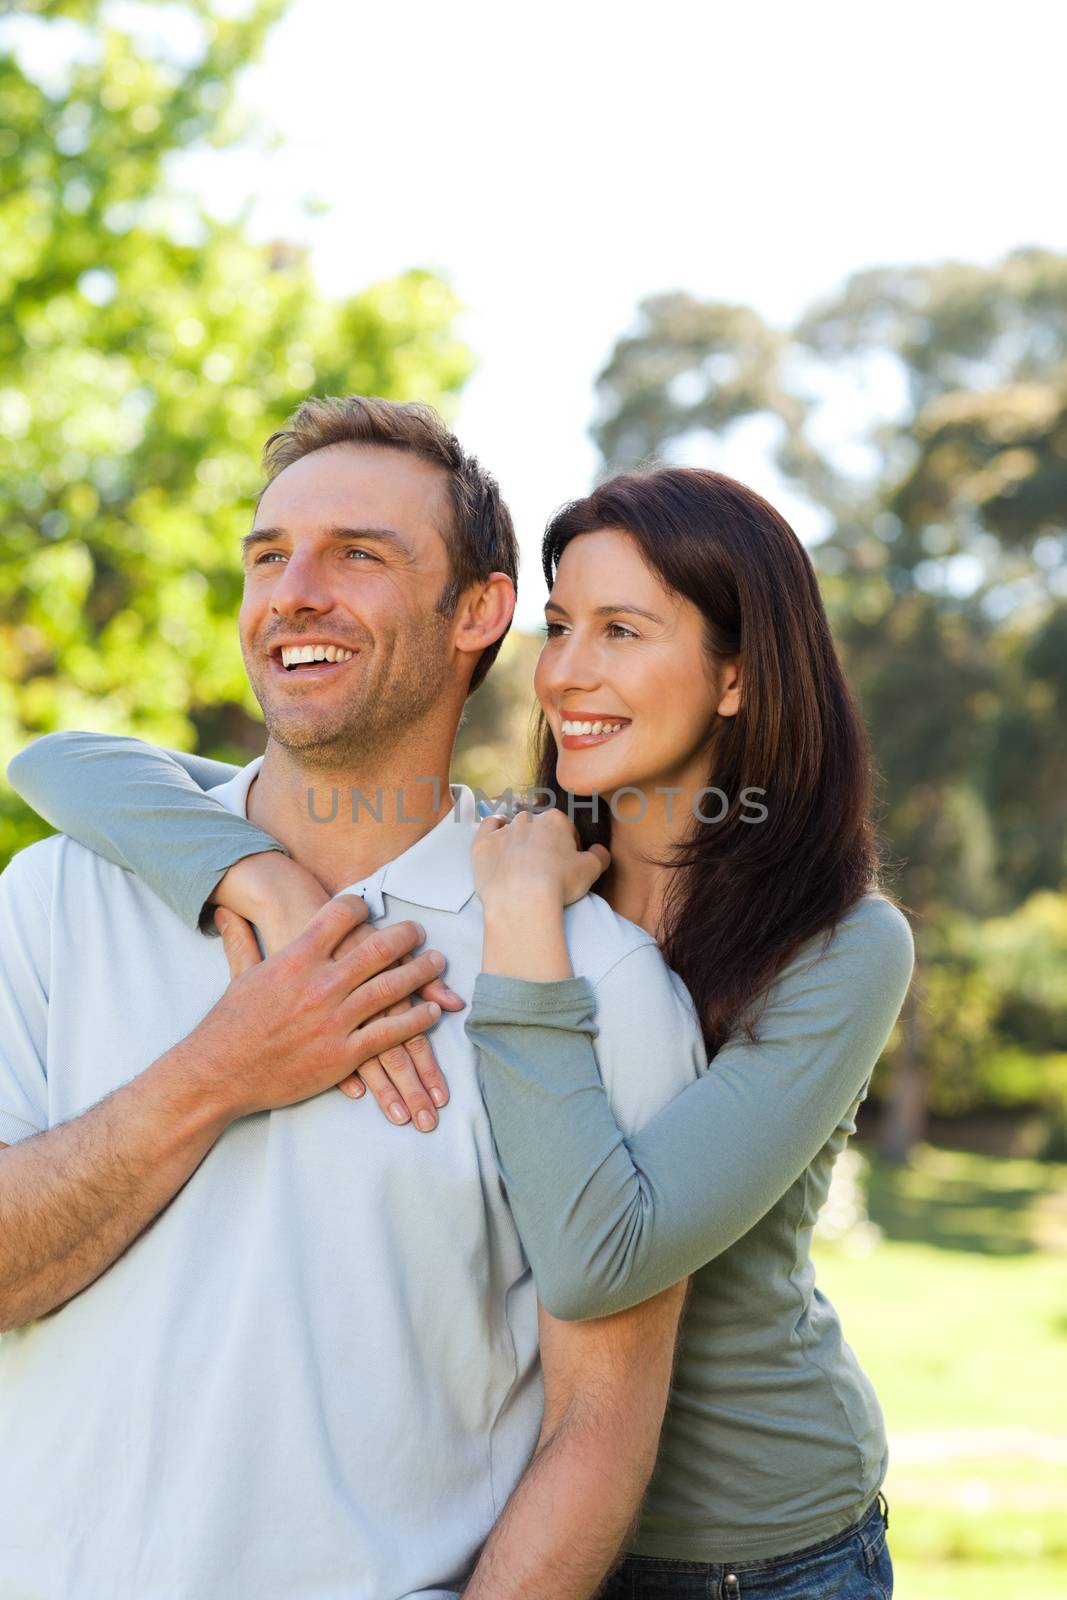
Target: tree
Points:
(147, 353)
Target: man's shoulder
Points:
(598, 938)
(33, 869)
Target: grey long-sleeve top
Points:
(774, 1439)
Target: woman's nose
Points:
(570, 665)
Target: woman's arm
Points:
(143, 808)
(608, 1221)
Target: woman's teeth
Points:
(576, 729)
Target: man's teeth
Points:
(571, 729)
(314, 652)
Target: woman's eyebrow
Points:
(609, 610)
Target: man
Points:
(258, 1342)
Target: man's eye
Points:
(268, 555)
(357, 550)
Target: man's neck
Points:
(343, 823)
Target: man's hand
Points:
(300, 1022)
(279, 897)
(606, 1388)
(72, 1199)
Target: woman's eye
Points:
(617, 631)
(552, 630)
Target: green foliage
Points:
(147, 354)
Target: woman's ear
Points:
(730, 689)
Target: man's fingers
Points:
(238, 941)
(386, 1032)
(376, 975)
(330, 925)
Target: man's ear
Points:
(730, 688)
(484, 612)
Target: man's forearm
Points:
(74, 1198)
(567, 1522)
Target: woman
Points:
(692, 699)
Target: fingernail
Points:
(426, 1121)
(437, 1096)
(434, 1008)
(397, 1112)
(437, 960)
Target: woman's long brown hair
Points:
(744, 895)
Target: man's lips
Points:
(312, 670)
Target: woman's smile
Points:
(579, 730)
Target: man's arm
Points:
(74, 1197)
(606, 1387)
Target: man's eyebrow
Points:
(376, 535)
(610, 610)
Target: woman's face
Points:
(626, 654)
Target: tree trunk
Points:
(904, 1117)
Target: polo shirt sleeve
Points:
(25, 962)
(610, 1217)
(142, 808)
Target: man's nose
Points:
(301, 585)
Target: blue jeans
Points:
(854, 1565)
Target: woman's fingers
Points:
(446, 998)
(394, 1080)
(239, 942)
(406, 1081)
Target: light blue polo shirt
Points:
(315, 1376)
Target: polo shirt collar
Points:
(434, 872)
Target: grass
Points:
(959, 1316)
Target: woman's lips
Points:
(584, 741)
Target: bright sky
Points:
(558, 162)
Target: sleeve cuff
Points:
(498, 999)
(203, 918)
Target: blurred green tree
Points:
(146, 352)
(944, 572)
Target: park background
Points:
(823, 248)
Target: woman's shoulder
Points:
(870, 948)
(874, 921)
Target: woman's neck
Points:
(644, 830)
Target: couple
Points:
(260, 1341)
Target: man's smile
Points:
(314, 659)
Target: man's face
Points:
(346, 553)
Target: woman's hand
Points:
(281, 897)
(526, 871)
(535, 851)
